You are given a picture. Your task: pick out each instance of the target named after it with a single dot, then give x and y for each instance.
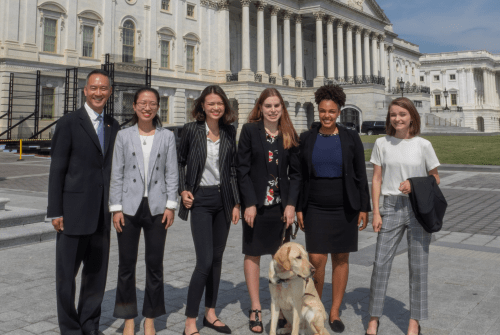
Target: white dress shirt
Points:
(93, 116)
(211, 175)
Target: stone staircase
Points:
(20, 226)
(431, 129)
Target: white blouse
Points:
(146, 152)
(211, 175)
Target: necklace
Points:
(327, 135)
(144, 142)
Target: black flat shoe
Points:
(221, 329)
(337, 326)
(378, 324)
(282, 323)
(255, 323)
(184, 332)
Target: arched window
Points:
(128, 42)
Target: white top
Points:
(211, 175)
(93, 116)
(402, 159)
(146, 152)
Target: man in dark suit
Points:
(82, 151)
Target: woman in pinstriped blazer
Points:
(208, 187)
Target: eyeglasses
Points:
(143, 104)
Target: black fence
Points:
(34, 101)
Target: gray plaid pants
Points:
(397, 215)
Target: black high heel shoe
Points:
(378, 324)
(221, 329)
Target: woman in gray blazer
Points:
(143, 194)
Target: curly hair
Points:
(330, 92)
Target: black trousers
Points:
(71, 251)
(155, 235)
(210, 230)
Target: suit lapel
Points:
(107, 133)
(281, 154)
(154, 152)
(201, 138)
(136, 143)
(312, 141)
(263, 140)
(345, 147)
(224, 145)
(88, 127)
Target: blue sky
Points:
(446, 25)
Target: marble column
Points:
(359, 58)
(261, 52)
(298, 48)
(469, 76)
(350, 58)
(286, 47)
(340, 50)
(461, 89)
(485, 86)
(274, 42)
(330, 49)
(382, 62)
(320, 68)
(392, 82)
(366, 37)
(246, 73)
(374, 55)
(223, 41)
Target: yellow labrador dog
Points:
(292, 290)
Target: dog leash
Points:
(294, 231)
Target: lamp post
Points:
(401, 86)
(445, 94)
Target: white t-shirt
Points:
(402, 159)
(146, 152)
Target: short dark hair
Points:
(98, 71)
(156, 119)
(410, 107)
(330, 92)
(199, 114)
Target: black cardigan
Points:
(353, 167)
(252, 168)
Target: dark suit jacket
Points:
(428, 203)
(192, 155)
(80, 172)
(252, 168)
(353, 167)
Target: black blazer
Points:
(252, 168)
(192, 155)
(353, 167)
(80, 172)
(428, 203)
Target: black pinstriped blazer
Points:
(192, 155)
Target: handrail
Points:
(17, 124)
(1, 117)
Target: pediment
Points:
(53, 7)
(192, 37)
(91, 15)
(369, 7)
(166, 31)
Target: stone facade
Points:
(243, 45)
(472, 79)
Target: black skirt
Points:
(266, 235)
(330, 226)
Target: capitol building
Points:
(242, 45)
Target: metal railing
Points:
(231, 77)
(272, 80)
(258, 78)
(286, 82)
(411, 89)
(451, 109)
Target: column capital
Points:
(298, 19)
(223, 5)
(390, 48)
(348, 26)
(330, 19)
(381, 38)
(468, 69)
(374, 36)
(260, 5)
(274, 10)
(319, 16)
(460, 69)
(428, 72)
(443, 71)
(245, 3)
(358, 30)
(287, 14)
(340, 23)
(366, 33)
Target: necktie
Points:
(100, 132)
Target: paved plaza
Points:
(464, 267)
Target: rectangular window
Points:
(436, 78)
(88, 41)
(437, 100)
(190, 58)
(453, 99)
(452, 77)
(49, 35)
(48, 103)
(189, 108)
(165, 5)
(422, 79)
(164, 110)
(127, 106)
(190, 11)
(165, 54)
(417, 103)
